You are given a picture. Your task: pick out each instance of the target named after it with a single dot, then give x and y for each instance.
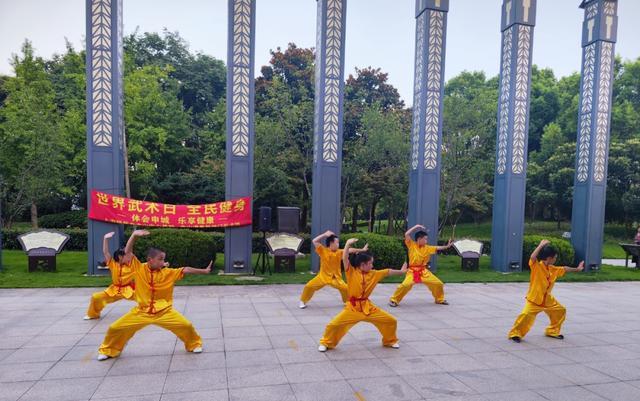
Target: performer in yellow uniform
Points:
(330, 271)
(121, 276)
(539, 298)
(361, 281)
(419, 255)
(154, 295)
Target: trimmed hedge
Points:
(77, 240)
(183, 247)
(565, 249)
(387, 251)
(71, 219)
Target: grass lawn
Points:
(72, 267)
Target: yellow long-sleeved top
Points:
(121, 278)
(543, 277)
(419, 255)
(329, 262)
(360, 286)
(154, 288)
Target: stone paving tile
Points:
(282, 392)
(259, 346)
(62, 389)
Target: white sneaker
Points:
(302, 305)
(197, 350)
(322, 348)
(87, 317)
(395, 346)
(103, 357)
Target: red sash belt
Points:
(417, 273)
(353, 300)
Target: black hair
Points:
(358, 259)
(421, 234)
(330, 239)
(547, 252)
(118, 253)
(153, 252)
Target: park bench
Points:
(42, 247)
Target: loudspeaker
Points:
(289, 220)
(264, 218)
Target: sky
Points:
(379, 33)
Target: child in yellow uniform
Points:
(361, 281)
(121, 276)
(419, 256)
(154, 295)
(330, 270)
(539, 298)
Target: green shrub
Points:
(183, 247)
(72, 219)
(564, 248)
(387, 251)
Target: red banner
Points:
(116, 209)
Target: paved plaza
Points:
(259, 346)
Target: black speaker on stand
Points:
(263, 263)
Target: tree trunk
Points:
(354, 218)
(372, 215)
(34, 215)
(558, 217)
(390, 230)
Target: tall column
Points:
(240, 127)
(518, 20)
(599, 32)
(426, 131)
(328, 114)
(105, 161)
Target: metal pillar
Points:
(240, 127)
(426, 132)
(599, 32)
(518, 20)
(105, 162)
(328, 114)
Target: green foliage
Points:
(387, 251)
(564, 248)
(182, 247)
(77, 238)
(71, 219)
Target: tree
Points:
(31, 153)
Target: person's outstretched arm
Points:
(575, 269)
(534, 254)
(105, 247)
(401, 272)
(407, 235)
(345, 253)
(443, 247)
(132, 240)
(365, 248)
(317, 241)
(193, 270)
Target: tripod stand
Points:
(263, 263)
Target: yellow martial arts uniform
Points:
(360, 309)
(154, 295)
(122, 288)
(539, 299)
(329, 274)
(419, 273)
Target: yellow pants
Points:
(319, 282)
(98, 301)
(124, 328)
(340, 325)
(527, 317)
(429, 279)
